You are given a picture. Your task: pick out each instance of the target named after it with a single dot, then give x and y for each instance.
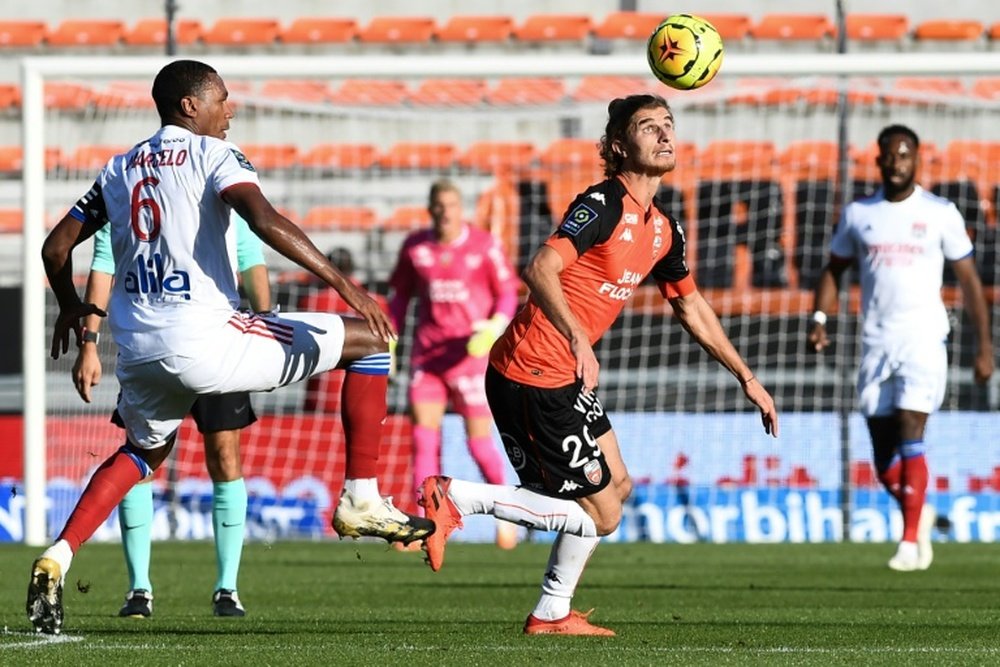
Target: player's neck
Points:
(898, 194)
(642, 187)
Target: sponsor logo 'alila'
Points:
(149, 277)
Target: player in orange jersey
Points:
(543, 370)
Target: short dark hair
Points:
(177, 80)
(439, 186)
(892, 130)
(620, 112)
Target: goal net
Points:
(767, 154)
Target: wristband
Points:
(88, 336)
(819, 317)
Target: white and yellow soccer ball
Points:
(685, 51)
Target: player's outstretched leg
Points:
(44, 605)
(439, 508)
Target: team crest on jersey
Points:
(592, 471)
(919, 230)
(242, 160)
(578, 219)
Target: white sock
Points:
(363, 489)
(61, 553)
(567, 559)
(521, 506)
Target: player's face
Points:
(649, 145)
(898, 164)
(446, 214)
(213, 109)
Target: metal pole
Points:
(171, 41)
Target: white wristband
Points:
(819, 317)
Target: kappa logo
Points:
(569, 486)
(242, 160)
(626, 236)
(581, 216)
(592, 471)
(599, 196)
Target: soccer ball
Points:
(684, 51)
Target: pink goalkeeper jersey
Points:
(455, 285)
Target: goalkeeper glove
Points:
(392, 357)
(486, 333)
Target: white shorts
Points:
(250, 353)
(910, 375)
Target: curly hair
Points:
(620, 112)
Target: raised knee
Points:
(607, 523)
(624, 488)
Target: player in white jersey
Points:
(219, 418)
(900, 238)
(173, 314)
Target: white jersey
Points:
(900, 248)
(172, 241)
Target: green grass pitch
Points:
(347, 603)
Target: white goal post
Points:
(36, 71)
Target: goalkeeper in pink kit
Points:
(466, 293)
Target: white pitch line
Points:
(36, 640)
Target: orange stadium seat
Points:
(271, 156)
(517, 91)
(319, 30)
(598, 88)
(923, 90)
(987, 89)
(153, 32)
(493, 156)
(310, 92)
(809, 160)
(241, 32)
(571, 154)
(398, 30)
(476, 29)
(730, 26)
(449, 92)
(10, 96)
(877, 27)
(949, 30)
(406, 218)
(21, 34)
(370, 92)
(67, 96)
(340, 156)
(90, 157)
(86, 33)
(793, 27)
(11, 160)
(981, 156)
(726, 159)
(554, 28)
(339, 217)
(418, 155)
(994, 32)
(124, 95)
(11, 220)
(627, 25)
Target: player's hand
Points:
(86, 371)
(755, 391)
(817, 338)
(587, 367)
(69, 321)
(393, 365)
(486, 333)
(983, 367)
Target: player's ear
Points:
(189, 106)
(618, 149)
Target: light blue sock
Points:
(229, 515)
(135, 517)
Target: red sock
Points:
(108, 485)
(891, 479)
(914, 494)
(363, 408)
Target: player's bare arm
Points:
(699, 320)
(57, 256)
(825, 301)
(975, 306)
(284, 236)
(542, 277)
(87, 369)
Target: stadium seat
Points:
(67, 96)
(949, 30)
(241, 32)
(554, 28)
(339, 217)
(731, 27)
(597, 88)
(21, 34)
(124, 95)
(309, 92)
(11, 220)
(449, 92)
(793, 27)
(497, 156)
(475, 29)
(627, 25)
(571, 154)
(877, 27)
(86, 33)
(10, 96)
(994, 32)
(153, 32)
(267, 157)
(339, 156)
(11, 160)
(526, 91)
(987, 89)
(979, 157)
(319, 30)
(407, 218)
(398, 30)
(923, 90)
(811, 170)
(90, 157)
(812, 160)
(418, 155)
(370, 92)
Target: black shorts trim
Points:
(215, 412)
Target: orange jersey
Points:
(608, 243)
